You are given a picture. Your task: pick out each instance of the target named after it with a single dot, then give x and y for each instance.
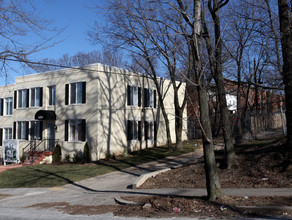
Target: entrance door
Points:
(51, 135)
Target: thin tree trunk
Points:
(219, 79)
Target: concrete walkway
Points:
(103, 190)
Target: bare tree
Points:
(107, 56)
(18, 20)
(212, 179)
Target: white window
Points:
(35, 96)
(22, 98)
(7, 133)
(149, 98)
(8, 106)
(1, 107)
(149, 130)
(52, 95)
(75, 130)
(76, 93)
(134, 96)
(36, 130)
(22, 130)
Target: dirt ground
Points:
(258, 166)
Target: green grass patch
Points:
(51, 175)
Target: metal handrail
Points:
(33, 146)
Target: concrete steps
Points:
(37, 157)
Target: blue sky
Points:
(76, 17)
(72, 14)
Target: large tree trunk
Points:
(212, 179)
(286, 40)
(218, 76)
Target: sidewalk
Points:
(102, 190)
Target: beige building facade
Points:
(113, 109)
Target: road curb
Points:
(144, 177)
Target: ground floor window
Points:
(150, 130)
(22, 130)
(7, 133)
(134, 130)
(36, 130)
(75, 130)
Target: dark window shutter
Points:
(129, 95)
(66, 94)
(15, 98)
(27, 98)
(146, 130)
(139, 131)
(83, 92)
(154, 99)
(27, 129)
(83, 136)
(129, 130)
(14, 130)
(139, 96)
(1, 106)
(146, 98)
(66, 129)
(41, 130)
(41, 96)
(155, 131)
(1, 136)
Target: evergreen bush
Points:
(57, 154)
(86, 153)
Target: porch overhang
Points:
(45, 115)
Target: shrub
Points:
(67, 158)
(86, 153)
(57, 154)
(22, 158)
(78, 157)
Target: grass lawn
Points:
(50, 175)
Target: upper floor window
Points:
(22, 98)
(1, 107)
(75, 130)
(8, 106)
(134, 96)
(36, 95)
(52, 95)
(77, 93)
(149, 97)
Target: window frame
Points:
(36, 97)
(149, 98)
(52, 95)
(8, 106)
(80, 133)
(10, 134)
(36, 130)
(134, 130)
(133, 95)
(22, 98)
(22, 130)
(75, 93)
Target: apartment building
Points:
(113, 109)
